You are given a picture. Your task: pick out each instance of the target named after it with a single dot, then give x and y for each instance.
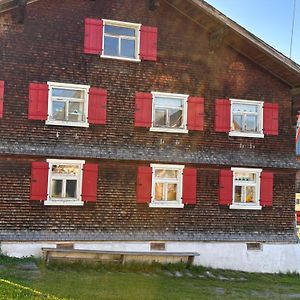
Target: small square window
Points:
(166, 186)
(169, 112)
(121, 40)
(246, 118)
(246, 188)
(67, 104)
(65, 181)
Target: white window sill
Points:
(245, 134)
(166, 205)
(121, 58)
(63, 203)
(246, 206)
(170, 130)
(65, 123)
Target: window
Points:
(121, 40)
(65, 181)
(169, 112)
(241, 188)
(166, 112)
(246, 118)
(166, 186)
(246, 188)
(68, 104)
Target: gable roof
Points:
(240, 39)
(230, 32)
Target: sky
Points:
(270, 20)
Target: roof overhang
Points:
(6, 5)
(240, 39)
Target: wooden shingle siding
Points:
(42, 50)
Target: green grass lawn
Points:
(30, 279)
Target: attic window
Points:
(121, 40)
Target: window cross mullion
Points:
(165, 193)
(64, 184)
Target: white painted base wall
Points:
(273, 258)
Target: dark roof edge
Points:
(6, 5)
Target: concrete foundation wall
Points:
(272, 258)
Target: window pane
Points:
(175, 118)
(66, 93)
(162, 173)
(245, 177)
(251, 123)
(111, 46)
(128, 48)
(239, 107)
(237, 123)
(56, 188)
(250, 194)
(116, 30)
(168, 102)
(75, 111)
(238, 194)
(172, 195)
(59, 110)
(159, 191)
(160, 118)
(71, 188)
(65, 169)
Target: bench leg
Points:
(122, 259)
(190, 261)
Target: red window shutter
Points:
(189, 186)
(148, 44)
(89, 182)
(266, 188)
(222, 118)
(97, 106)
(143, 110)
(38, 101)
(298, 217)
(1, 97)
(93, 33)
(195, 116)
(144, 184)
(271, 118)
(225, 187)
(39, 181)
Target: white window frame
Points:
(166, 204)
(298, 230)
(135, 26)
(64, 202)
(84, 88)
(184, 99)
(260, 118)
(254, 206)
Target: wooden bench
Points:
(117, 256)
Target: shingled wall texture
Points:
(49, 47)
